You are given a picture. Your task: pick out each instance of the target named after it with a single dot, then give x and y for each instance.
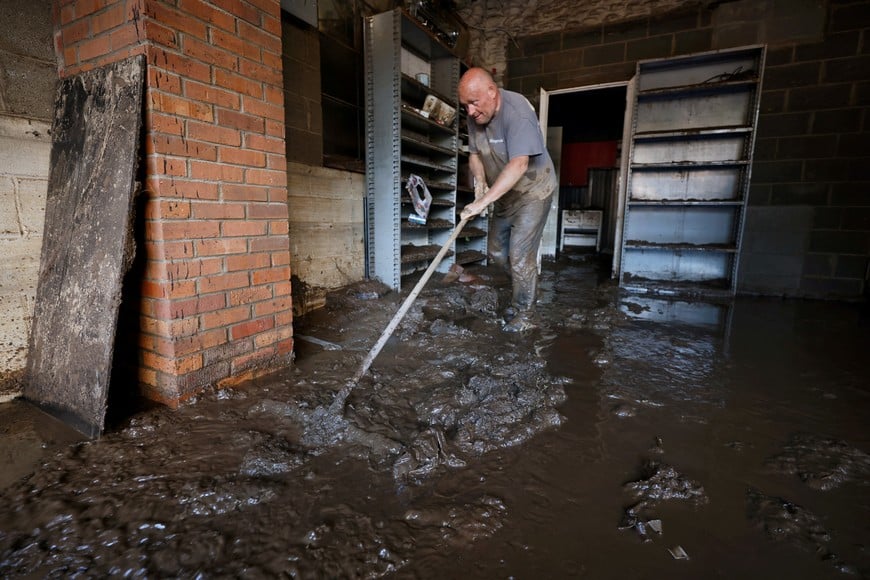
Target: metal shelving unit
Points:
(403, 140)
(690, 157)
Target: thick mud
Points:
(603, 444)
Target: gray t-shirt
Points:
(512, 132)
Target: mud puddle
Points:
(595, 446)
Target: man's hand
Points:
(480, 189)
(472, 209)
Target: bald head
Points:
(479, 94)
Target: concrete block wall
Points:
(303, 116)
(27, 88)
(327, 234)
(213, 292)
(25, 147)
(809, 208)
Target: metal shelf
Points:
(686, 165)
(412, 253)
(469, 257)
(700, 89)
(690, 202)
(641, 245)
(431, 224)
(699, 132)
(689, 163)
(401, 140)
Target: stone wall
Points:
(497, 26)
(28, 79)
(808, 225)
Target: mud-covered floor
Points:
(624, 438)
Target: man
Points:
(512, 170)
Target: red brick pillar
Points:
(216, 306)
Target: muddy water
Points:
(600, 445)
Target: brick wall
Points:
(212, 289)
(808, 225)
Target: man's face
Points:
(480, 101)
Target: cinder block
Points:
(690, 41)
(31, 198)
(847, 69)
(826, 169)
(776, 171)
(781, 266)
(859, 169)
(779, 219)
(772, 102)
(852, 267)
(819, 265)
(555, 62)
(765, 149)
(541, 44)
(737, 34)
(850, 194)
(784, 124)
(857, 218)
(796, 23)
(27, 30)
(807, 147)
(821, 97)
(831, 288)
(654, 47)
(839, 242)
(24, 157)
(854, 145)
(623, 31)
(833, 46)
(804, 193)
(759, 194)
(828, 218)
(527, 66)
(779, 56)
(604, 54)
(532, 84)
(673, 22)
(792, 75)
(34, 88)
(9, 224)
(837, 121)
(850, 16)
(582, 38)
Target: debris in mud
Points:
(623, 411)
(784, 521)
(678, 553)
(426, 453)
(465, 523)
(325, 344)
(659, 482)
(662, 482)
(822, 463)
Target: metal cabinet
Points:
(692, 137)
(407, 69)
(581, 228)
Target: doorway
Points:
(591, 121)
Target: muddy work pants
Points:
(514, 236)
